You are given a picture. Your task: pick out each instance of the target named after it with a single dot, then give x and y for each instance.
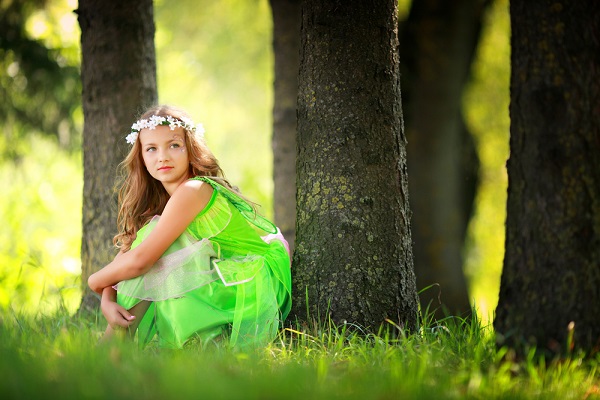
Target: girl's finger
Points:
(126, 314)
(122, 322)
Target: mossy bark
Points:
(353, 258)
(118, 73)
(286, 49)
(438, 43)
(551, 274)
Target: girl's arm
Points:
(181, 209)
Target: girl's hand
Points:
(116, 315)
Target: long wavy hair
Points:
(140, 195)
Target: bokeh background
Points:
(214, 59)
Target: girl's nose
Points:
(163, 155)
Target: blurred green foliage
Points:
(215, 60)
(40, 165)
(486, 108)
(39, 84)
(41, 236)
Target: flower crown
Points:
(156, 120)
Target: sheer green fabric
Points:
(219, 278)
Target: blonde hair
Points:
(140, 195)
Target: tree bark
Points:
(286, 48)
(119, 79)
(551, 274)
(353, 258)
(438, 44)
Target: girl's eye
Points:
(151, 149)
(175, 145)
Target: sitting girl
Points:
(192, 263)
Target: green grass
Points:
(58, 357)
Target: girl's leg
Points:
(139, 310)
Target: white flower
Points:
(200, 130)
(132, 137)
(156, 120)
(187, 121)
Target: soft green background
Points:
(215, 60)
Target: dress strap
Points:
(247, 211)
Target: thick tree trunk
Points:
(119, 78)
(551, 273)
(353, 259)
(438, 43)
(286, 48)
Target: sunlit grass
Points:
(59, 357)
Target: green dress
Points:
(220, 277)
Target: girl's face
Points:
(165, 155)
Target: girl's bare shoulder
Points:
(193, 190)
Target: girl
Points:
(191, 261)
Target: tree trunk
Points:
(353, 258)
(551, 273)
(119, 79)
(438, 44)
(286, 47)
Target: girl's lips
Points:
(164, 168)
